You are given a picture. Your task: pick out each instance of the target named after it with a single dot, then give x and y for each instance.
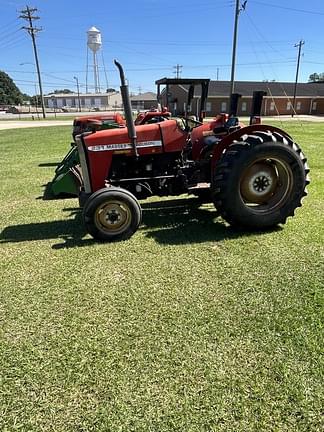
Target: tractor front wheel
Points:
(112, 214)
(260, 181)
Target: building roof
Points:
(89, 95)
(165, 81)
(148, 96)
(277, 89)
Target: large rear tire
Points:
(260, 181)
(112, 214)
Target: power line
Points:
(4, 28)
(28, 15)
(9, 35)
(288, 8)
(13, 43)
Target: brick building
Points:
(309, 98)
(143, 101)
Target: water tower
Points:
(94, 44)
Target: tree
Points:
(315, 77)
(9, 92)
(62, 91)
(35, 100)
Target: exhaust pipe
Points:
(256, 106)
(127, 108)
(190, 96)
(234, 100)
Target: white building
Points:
(100, 101)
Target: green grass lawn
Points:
(187, 326)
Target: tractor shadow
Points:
(173, 222)
(70, 230)
(184, 221)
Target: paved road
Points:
(12, 124)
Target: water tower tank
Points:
(94, 39)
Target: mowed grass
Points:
(187, 326)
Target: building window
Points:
(289, 106)
(138, 105)
(64, 102)
(244, 106)
(298, 107)
(314, 106)
(272, 106)
(82, 101)
(208, 107)
(92, 102)
(73, 102)
(223, 107)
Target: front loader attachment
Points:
(67, 179)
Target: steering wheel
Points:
(189, 120)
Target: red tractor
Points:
(97, 122)
(256, 175)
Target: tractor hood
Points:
(119, 140)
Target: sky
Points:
(150, 37)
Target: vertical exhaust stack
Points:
(234, 100)
(256, 106)
(127, 107)
(190, 96)
(203, 100)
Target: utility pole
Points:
(28, 15)
(299, 45)
(78, 89)
(238, 9)
(177, 70)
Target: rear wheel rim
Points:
(266, 184)
(113, 216)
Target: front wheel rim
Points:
(266, 184)
(113, 216)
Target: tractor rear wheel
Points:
(112, 214)
(260, 181)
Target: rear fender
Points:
(236, 136)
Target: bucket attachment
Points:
(67, 179)
(67, 183)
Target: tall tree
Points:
(9, 92)
(63, 91)
(316, 77)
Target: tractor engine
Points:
(161, 174)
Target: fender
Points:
(235, 136)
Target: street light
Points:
(77, 83)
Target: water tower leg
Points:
(95, 71)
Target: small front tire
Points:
(112, 214)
